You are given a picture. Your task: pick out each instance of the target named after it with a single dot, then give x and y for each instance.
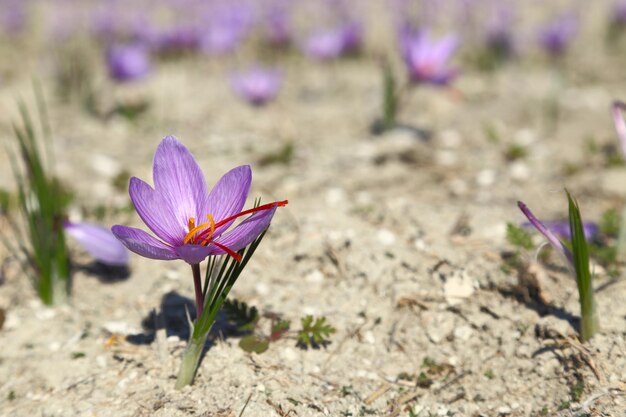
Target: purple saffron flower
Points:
(546, 231)
(499, 35)
(127, 62)
(177, 39)
(225, 30)
(13, 16)
(257, 85)
(557, 35)
(620, 125)
(176, 208)
(619, 13)
(99, 242)
(427, 59)
(330, 44)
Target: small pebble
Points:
(386, 237)
(486, 177)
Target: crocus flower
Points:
(499, 35)
(225, 30)
(330, 44)
(620, 125)
(427, 59)
(619, 13)
(127, 62)
(99, 242)
(557, 35)
(177, 39)
(545, 231)
(257, 85)
(189, 222)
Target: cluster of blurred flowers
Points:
(132, 34)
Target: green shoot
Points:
(580, 255)
(41, 201)
(390, 98)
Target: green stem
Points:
(191, 359)
(588, 317)
(197, 286)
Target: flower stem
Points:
(197, 286)
(191, 358)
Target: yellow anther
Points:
(195, 229)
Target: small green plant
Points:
(577, 256)
(580, 252)
(519, 237)
(514, 152)
(41, 201)
(315, 331)
(489, 374)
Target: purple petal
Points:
(620, 126)
(245, 232)
(99, 242)
(552, 239)
(256, 85)
(143, 244)
(156, 212)
(229, 195)
(128, 62)
(179, 179)
(193, 254)
(445, 48)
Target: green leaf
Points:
(314, 331)
(580, 254)
(252, 343)
(243, 316)
(519, 237)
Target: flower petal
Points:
(179, 179)
(548, 234)
(156, 212)
(193, 254)
(99, 242)
(620, 125)
(143, 244)
(245, 232)
(229, 195)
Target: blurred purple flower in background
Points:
(558, 34)
(13, 16)
(257, 85)
(332, 43)
(277, 23)
(561, 228)
(225, 29)
(618, 13)
(128, 62)
(499, 35)
(177, 38)
(99, 242)
(427, 59)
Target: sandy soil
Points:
(396, 239)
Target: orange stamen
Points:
(190, 237)
(243, 213)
